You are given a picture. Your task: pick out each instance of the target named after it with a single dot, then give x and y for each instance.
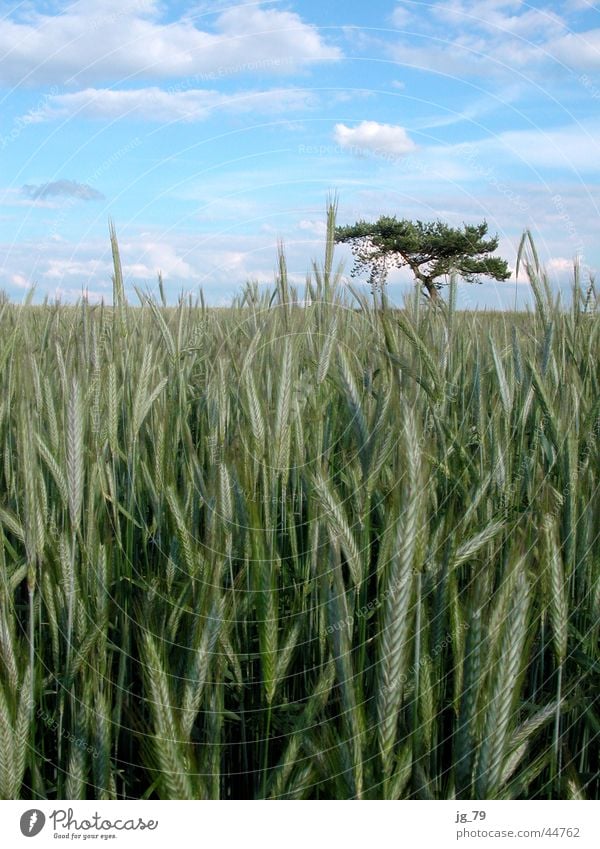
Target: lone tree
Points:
(430, 249)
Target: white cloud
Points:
(578, 50)
(88, 42)
(215, 261)
(485, 37)
(372, 137)
(472, 112)
(560, 265)
(71, 294)
(503, 19)
(59, 269)
(573, 147)
(153, 255)
(401, 16)
(19, 281)
(15, 197)
(542, 152)
(315, 228)
(163, 106)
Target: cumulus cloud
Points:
(88, 43)
(372, 137)
(62, 188)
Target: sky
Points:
(210, 131)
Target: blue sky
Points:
(210, 130)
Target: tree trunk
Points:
(431, 290)
(426, 282)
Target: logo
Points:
(32, 822)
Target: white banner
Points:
(294, 825)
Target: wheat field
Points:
(308, 547)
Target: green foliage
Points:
(432, 250)
(295, 549)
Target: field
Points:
(306, 547)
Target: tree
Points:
(430, 249)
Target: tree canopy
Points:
(431, 250)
